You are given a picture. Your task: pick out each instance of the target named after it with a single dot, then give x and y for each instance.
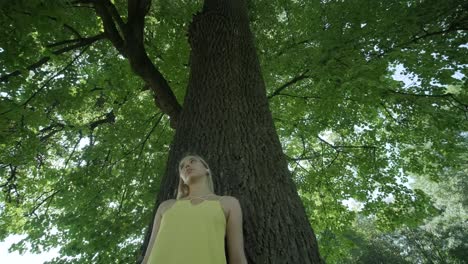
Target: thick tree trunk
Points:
(226, 119)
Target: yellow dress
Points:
(191, 233)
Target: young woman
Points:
(192, 228)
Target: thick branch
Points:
(131, 46)
(142, 65)
(115, 15)
(111, 31)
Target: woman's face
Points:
(191, 167)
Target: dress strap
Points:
(192, 197)
(204, 198)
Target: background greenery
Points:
(83, 147)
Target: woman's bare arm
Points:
(154, 232)
(234, 233)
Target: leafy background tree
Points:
(83, 150)
(439, 239)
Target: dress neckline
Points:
(191, 204)
(196, 205)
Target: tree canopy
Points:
(83, 146)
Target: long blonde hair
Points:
(183, 189)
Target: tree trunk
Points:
(226, 119)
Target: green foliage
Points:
(350, 130)
(439, 239)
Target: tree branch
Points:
(142, 65)
(55, 75)
(115, 15)
(447, 95)
(101, 7)
(131, 46)
(78, 44)
(110, 118)
(416, 38)
(344, 146)
(33, 211)
(291, 82)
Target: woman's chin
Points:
(192, 176)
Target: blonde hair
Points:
(183, 189)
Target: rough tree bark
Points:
(226, 119)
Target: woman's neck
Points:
(199, 189)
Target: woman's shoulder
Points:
(228, 198)
(228, 201)
(169, 202)
(166, 204)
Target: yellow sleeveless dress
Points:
(191, 233)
